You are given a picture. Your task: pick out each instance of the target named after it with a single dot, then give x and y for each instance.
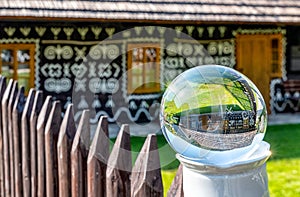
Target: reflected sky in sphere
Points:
(213, 114)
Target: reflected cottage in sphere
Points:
(213, 114)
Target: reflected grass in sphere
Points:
(213, 114)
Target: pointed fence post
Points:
(36, 108)
(176, 189)
(11, 102)
(16, 117)
(79, 153)
(25, 141)
(51, 136)
(2, 90)
(41, 124)
(65, 139)
(119, 166)
(97, 160)
(6, 158)
(146, 175)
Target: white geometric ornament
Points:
(190, 29)
(161, 30)
(80, 84)
(55, 31)
(82, 31)
(222, 30)
(138, 30)
(40, 30)
(96, 31)
(110, 31)
(78, 70)
(96, 103)
(10, 31)
(80, 54)
(25, 31)
(200, 31)
(211, 31)
(150, 29)
(68, 31)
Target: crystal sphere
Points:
(213, 114)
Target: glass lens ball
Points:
(213, 114)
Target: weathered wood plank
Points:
(119, 166)
(12, 98)
(16, 116)
(25, 139)
(51, 136)
(6, 158)
(2, 90)
(36, 108)
(65, 139)
(41, 124)
(79, 153)
(176, 189)
(146, 175)
(97, 160)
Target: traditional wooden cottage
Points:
(115, 56)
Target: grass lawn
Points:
(283, 167)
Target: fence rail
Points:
(44, 154)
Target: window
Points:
(276, 56)
(143, 68)
(17, 62)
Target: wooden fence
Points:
(44, 154)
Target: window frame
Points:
(143, 89)
(14, 48)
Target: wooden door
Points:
(259, 57)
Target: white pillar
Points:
(247, 178)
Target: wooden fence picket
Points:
(79, 154)
(25, 145)
(16, 120)
(36, 108)
(176, 189)
(6, 157)
(51, 136)
(97, 160)
(12, 98)
(43, 154)
(25, 139)
(119, 166)
(41, 124)
(65, 139)
(146, 176)
(2, 90)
